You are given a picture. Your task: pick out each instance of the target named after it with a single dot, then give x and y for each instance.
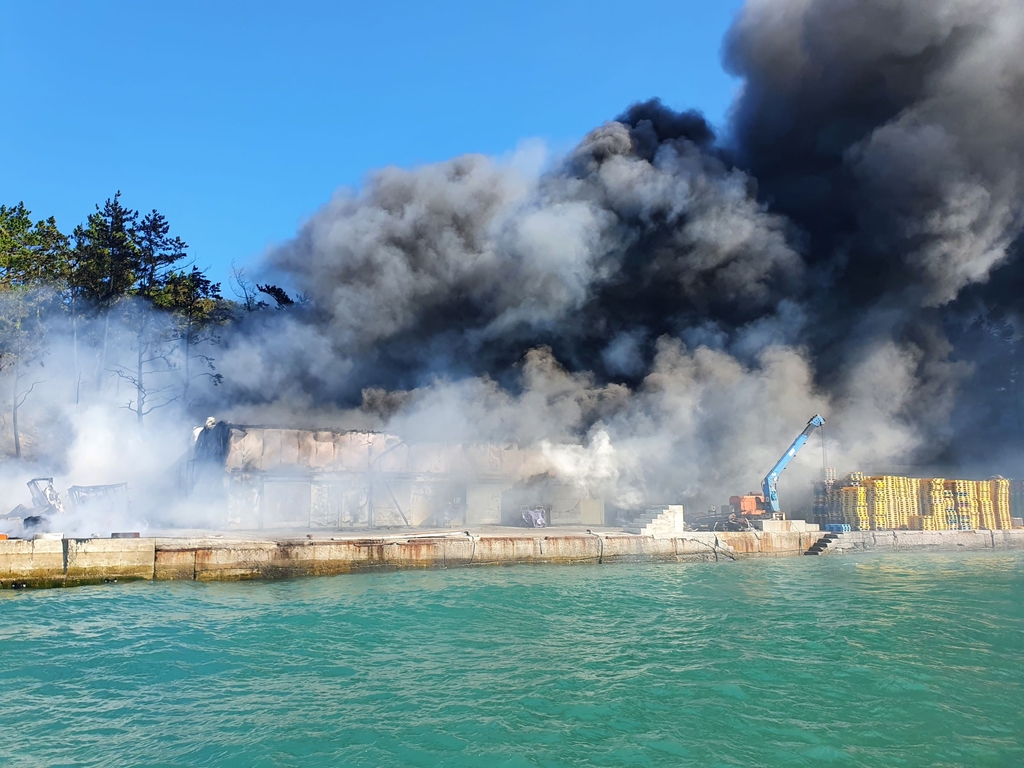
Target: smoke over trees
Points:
(661, 309)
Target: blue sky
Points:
(237, 120)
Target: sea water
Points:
(886, 660)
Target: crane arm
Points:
(770, 483)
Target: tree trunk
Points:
(14, 409)
(140, 388)
(188, 361)
(103, 350)
(74, 350)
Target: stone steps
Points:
(664, 521)
(823, 545)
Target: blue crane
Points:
(770, 484)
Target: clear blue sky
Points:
(238, 119)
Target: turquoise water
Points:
(880, 661)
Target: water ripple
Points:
(875, 661)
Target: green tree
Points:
(108, 261)
(33, 260)
(109, 255)
(278, 294)
(31, 254)
(122, 261)
(22, 345)
(157, 253)
(200, 309)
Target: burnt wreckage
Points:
(335, 479)
(47, 507)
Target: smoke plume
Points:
(663, 307)
(660, 310)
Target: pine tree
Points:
(156, 254)
(108, 261)
(31, 254)
(109, 255)
(33, 258)
(200, 309)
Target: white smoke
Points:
(656, 313)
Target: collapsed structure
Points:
(102, 502)
(283, 478)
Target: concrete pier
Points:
(70, 562)
(233, 557)
(208, 556)
(927, 541)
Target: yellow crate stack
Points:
(878, 503)
(853, 501)
(909, 500)
(986, 507)
(1001, 502)
(965, 501)
(936, 504)
(892, 500)
(922, 504)
(952, 518)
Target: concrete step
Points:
(659, 522)
(823, 544)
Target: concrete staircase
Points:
(824, 545)
(661, 522)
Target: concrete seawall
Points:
(925, 541)
(71, 562)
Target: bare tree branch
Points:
(160, 405)
(21, 397)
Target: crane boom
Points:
(770, 484)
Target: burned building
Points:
(271, 477)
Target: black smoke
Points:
(851, 242)
(888, 132)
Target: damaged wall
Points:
(285, 478)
